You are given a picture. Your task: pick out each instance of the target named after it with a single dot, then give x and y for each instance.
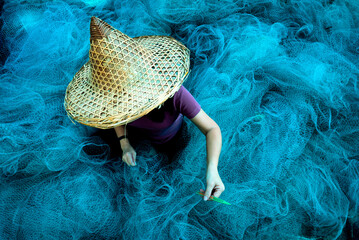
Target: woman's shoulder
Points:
(182, 93)
(185, 103)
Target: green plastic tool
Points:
(215, 199)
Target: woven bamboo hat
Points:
(125, 77)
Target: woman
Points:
(124, 83)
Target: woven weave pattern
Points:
(125, 78)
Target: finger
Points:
(134, 159)
(125, 158)
(131, 159)
(217, 192)
(125, 161)
(208, 192)
(128, 162)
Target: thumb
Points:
(208, 192)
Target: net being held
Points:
(279, 77)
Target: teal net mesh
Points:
(279, 77)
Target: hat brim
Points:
(95, 107)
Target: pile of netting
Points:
(280, 77)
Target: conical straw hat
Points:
(125, 77)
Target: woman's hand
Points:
(128, 154)
(215, 186)
(213, 135)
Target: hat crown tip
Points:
(99, 29)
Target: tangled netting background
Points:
(279, 76)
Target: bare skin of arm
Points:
(128, 153)
(211, 130)
(213, 135)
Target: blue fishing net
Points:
(280, 77)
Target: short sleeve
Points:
(185, 103)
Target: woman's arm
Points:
(128, 153)
(213, 135)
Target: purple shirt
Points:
(184, 104)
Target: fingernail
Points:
(205, 198)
